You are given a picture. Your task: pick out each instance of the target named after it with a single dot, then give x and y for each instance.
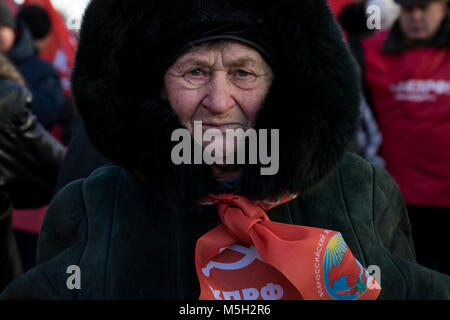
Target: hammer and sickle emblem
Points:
(250, 255)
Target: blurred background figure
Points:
(368, 137)
(39, 24)
(406, 70)
(29, 162)
(41, 77)
(55, 44)
(352, 18)
(7, 28)
(47, 104)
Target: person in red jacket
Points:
(407, 75)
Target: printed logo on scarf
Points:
(239, 273)
(344, 277)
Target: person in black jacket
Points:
(29, 162)
(41, 77)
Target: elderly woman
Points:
(153, 227)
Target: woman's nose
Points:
(219, 99)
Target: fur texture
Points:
(9, 72)
(313, 101)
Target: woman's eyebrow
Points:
(246, 61)
(195, 62)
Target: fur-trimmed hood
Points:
(313, 100)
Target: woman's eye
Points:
(244, 78)
(195, 72)
(243, 73)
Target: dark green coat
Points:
(130, 245)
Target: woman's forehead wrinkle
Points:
(231, 59)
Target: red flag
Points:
(62, 45)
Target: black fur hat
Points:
(117, 83)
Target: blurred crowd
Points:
(404, 64)
(36, 120)
(405, 81)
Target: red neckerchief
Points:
(249, 257)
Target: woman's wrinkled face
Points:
(221, 84)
